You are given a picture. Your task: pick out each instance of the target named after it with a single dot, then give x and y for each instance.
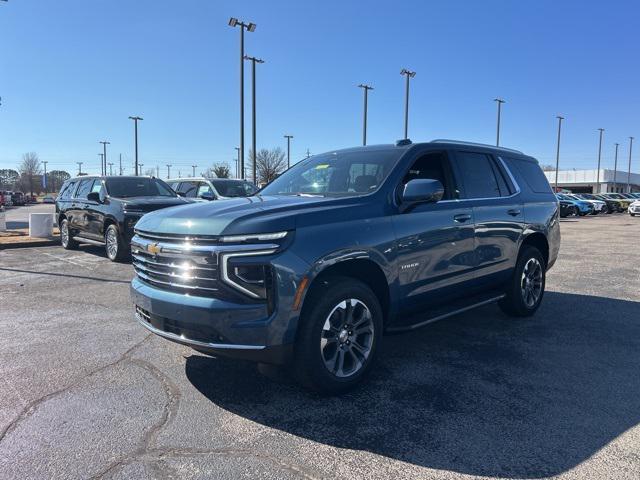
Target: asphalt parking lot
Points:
(87, 393)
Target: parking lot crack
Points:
(32, 406)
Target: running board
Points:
(413, 326)
(88, 240)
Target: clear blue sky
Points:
(72, 71)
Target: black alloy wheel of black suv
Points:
(103, 211)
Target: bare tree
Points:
(548, 168)
(269, 164)
(8, 179)
(56, 178)
(219, 170)
(30, 170)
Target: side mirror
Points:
(94, 197)
(180, 194)
(421, 190)
(207, 196)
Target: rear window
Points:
(531, 173)
(124, 187)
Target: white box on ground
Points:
(41, 225)
(3, 222)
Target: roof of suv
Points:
(203, 179)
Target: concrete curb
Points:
(39, 243)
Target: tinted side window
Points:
(189, 189)
(67, 190)
(433, 166)
(477, 175)
(204, 188)
(84, 188)
(531, 172)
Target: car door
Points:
(435, 241)
(95, 213)
(64, 201)
(498, 211)
(79, 218)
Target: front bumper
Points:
(635, 209)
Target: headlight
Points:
(243, 272)
(257, 237)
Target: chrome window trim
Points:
(224, 259)
(182, 339)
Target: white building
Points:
(585, 181)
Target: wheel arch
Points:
(539, 241)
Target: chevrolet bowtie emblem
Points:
(154, 248)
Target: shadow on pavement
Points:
(479, 394)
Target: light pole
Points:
(101, 157)
(409, 74)
(499, 101)
(601, 130)
(250, 27)
(104, 156)
(194, 169)
(560, 118)
(135, 128)
(120, 164)
(110, 169)
(79, 167)
(238, 163)
(253, 61)
(366, 89)
(615, 169)
(168, 171)
(44, 177)
(629, 171)
(288, 137)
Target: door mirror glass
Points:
(93, 196)
(422, 190)
(207, 195)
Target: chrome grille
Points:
(176, 264)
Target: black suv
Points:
(344, 246)
(104, 210)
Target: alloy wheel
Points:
(112, 243)
(347, 338)
(531, 282)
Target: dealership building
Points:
(586, 181)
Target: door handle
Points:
(514, 212)
(461, 218)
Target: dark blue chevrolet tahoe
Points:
(343, 247)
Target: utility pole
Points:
(615, 170)
(288, 137)
(366, 89)
(560, 118)
(44, 177)
(120, 164)
(238, 163)
(168, 171)
(194, 169)
(409, 74)
(601, 130)
(136, 119)
(157, 171)
(110, 169)
(253, 61)
(250, 27)
(499, 101)
(104, 156)
(79, 167)
(102, 169)
(629, 171)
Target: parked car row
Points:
(9, 198)
(581, 204)
(312, 269)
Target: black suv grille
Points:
(175, 264)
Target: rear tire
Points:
(68, 243)
(526, 288)
(340, 331)
(114, 246)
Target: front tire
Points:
(114, 246)
(66, 239)
(526, 288)
(339, 335)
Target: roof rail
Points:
(459, 142)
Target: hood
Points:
(243, 215)
(149, 204)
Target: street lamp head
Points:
(560, 117)
(233, 22)
(136, 118)
(601, 129)
(499, 100)
(409, 73)
(251, 27)
(366, 87)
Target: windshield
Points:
(138, 187)
(614, 195)
(336, 174)
(234, 188)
